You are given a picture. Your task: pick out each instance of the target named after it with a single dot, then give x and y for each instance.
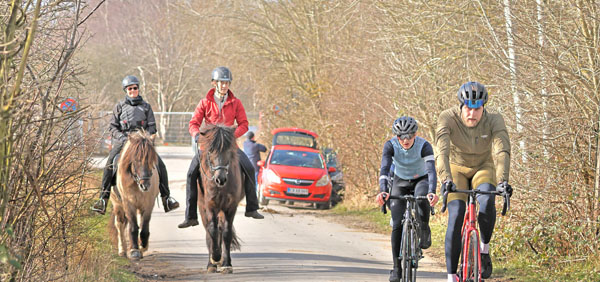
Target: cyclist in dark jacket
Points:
(252, 150)
(414, 173)
(129, 114)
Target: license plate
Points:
(297, 191)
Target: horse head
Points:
(141, 159)
(219, 153)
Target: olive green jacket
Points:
(472, 146)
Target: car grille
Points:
(298, 182)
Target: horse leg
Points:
(226, 222)
(212, 242)
(133, 228)
(120, 223)
(145, 233)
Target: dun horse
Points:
(222, 191)
(137, 187)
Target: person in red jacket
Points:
(219, 106)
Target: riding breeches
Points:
(401, 187)
(193, 179)
(108, 174)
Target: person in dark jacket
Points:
(219, 106)
(129, 114)
(252, 150)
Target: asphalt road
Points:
(290, 244)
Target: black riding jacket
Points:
(131, 114)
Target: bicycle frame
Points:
(410, 252)
(469, 229)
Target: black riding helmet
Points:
(405, 125)
(473, 94)
(130, 80)
(221, 74)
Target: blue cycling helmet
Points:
(473, 94)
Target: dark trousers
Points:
(108, 174)
(193, 177)
(401, 187)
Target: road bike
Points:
(469, 268)
(410, 250)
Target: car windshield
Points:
(297, 158)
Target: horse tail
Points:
(235, 241)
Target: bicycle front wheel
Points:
(471, 260)
(407, 252)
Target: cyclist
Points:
(468, 139)
(129, 114)
(414, 173)
(219, 106)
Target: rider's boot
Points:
(169, 203)
(395, 274)
(425, 237)
(100, 205)
(486, 266)
(188, 222)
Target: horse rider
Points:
(219, 106)
(413, 173)
(129, 114)
(473, 153)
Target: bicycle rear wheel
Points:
(471, 266)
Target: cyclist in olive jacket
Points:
(414, 173)
(468, 140)
(131, 114)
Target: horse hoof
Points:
(227, 270)
(135, 254)
(211, 269)
(212, 261)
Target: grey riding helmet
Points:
(405, 127)
(221, 74)
(130, 80)
(473, 94)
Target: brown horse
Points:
(137, 187)
(222, 182)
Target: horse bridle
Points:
(138, 180)
(212, 168)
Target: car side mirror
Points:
(260, 163)
(331, 169)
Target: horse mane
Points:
(217, 138)
(140, 148)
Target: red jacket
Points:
(208, 110)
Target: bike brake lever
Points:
(444, 202)
(383, 208)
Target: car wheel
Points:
(324, 206)
(291, 203)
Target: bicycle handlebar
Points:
(499, 192)
(406, 198)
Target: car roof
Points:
(293, 129)
(294, 148)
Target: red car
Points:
(295, 171)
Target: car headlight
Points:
(324, 180)
(272, 177)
